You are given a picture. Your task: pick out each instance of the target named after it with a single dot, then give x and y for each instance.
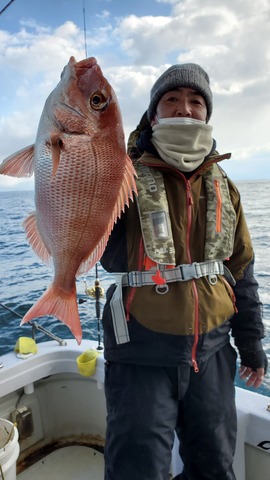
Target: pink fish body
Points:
(83, 180)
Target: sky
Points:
(134, 43)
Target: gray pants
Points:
(147, 404)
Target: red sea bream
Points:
(83, 180)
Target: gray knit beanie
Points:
(188, 75)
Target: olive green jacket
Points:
(193, 319)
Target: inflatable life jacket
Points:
(158, 239)
(155, 220)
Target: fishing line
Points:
(84, 29)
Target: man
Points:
(170, 365)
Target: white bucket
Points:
(9, 449)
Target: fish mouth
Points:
(85, 64)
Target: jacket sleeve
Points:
(114, 258)
(247, 324)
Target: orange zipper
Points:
(218, 206)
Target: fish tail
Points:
(60, 304)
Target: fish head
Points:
(84, 101)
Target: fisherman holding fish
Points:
(186, 285)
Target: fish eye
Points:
(98, 101)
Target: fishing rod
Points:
(99, 294)
(35, 326)
(8, 4)
(96, 292)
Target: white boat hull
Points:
(67, 413)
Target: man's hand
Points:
(254, 379)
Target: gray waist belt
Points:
(181, 273)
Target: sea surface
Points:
(23, 277)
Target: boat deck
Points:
(66, 435)
(82, 463)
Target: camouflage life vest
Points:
(155, 219)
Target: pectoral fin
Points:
(19, 164)
(56, 144)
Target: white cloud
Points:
(230, 40)
(32, 53)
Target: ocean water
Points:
(23, 277)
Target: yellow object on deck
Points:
(87, 362)
(25, 346)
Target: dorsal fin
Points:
(125, 194)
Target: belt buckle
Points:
(189, 271)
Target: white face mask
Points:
(179, 121)
(183, 145)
